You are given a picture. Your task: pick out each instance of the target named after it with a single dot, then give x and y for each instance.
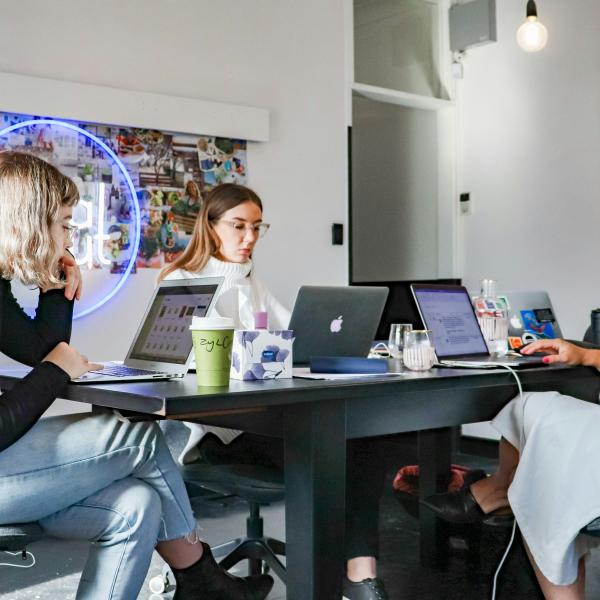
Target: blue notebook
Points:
(347, 364)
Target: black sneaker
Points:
(367, 589)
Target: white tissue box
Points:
(261, 354)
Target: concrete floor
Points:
(59, 563)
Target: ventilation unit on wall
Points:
(472, 24)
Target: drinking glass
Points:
(396, 342)
(419, 354)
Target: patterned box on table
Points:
(261, 354)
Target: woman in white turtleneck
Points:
(225, 235)
(228, 227)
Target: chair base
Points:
(256, 551)
(16, 538)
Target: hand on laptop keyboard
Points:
(519, 351)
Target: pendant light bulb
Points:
(532, 36)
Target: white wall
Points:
(530, 156)
(285, 56)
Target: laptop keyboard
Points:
(123, 371)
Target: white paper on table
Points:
(305, 373)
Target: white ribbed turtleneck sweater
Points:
(241, 294)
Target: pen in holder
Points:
(419, 354)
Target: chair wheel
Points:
(163, 583)
(157, 585)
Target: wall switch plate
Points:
(464, 204)
(458, 71)
(337, 234)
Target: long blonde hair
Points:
(205, 242)
(32, 193)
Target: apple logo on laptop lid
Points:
(336, 325)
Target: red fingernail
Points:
(546, 359)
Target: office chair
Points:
(259, 486)
(225, 476)
(16, 538)
(590, 341)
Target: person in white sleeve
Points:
(226, 232)
(548, 473)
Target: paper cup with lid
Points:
(212, 338)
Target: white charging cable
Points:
(501, 563)
(380, 350)
(522, 441)
(19, 566)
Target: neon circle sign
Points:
(136, 207)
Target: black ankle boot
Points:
(206, 580)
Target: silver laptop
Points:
(531, 316)
(447, 311)
(335, 321)
(162, 346)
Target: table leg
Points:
(435, 456)
(315, 482)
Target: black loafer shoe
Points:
(473, 476)
(367, 589)
(455, 507)
(461, 507)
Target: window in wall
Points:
(396, 46)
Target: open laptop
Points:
(531, 316)
(335, 321)
(162, 345)
(447, 311)
(400, 305)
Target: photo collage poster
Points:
(171, 173)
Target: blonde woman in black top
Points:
(89, 477)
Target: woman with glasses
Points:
(226, 232)
(87, 476)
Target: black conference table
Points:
(316, 417)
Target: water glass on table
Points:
(398, 332)
(495, 333)
(419, 353)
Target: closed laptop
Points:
(335, 321)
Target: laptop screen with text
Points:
(448, 313)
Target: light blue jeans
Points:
(97, 478)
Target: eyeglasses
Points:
(257, 229)
(69, 229)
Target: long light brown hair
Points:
(32, 193)
(205, 242)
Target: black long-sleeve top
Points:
(28, 341)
